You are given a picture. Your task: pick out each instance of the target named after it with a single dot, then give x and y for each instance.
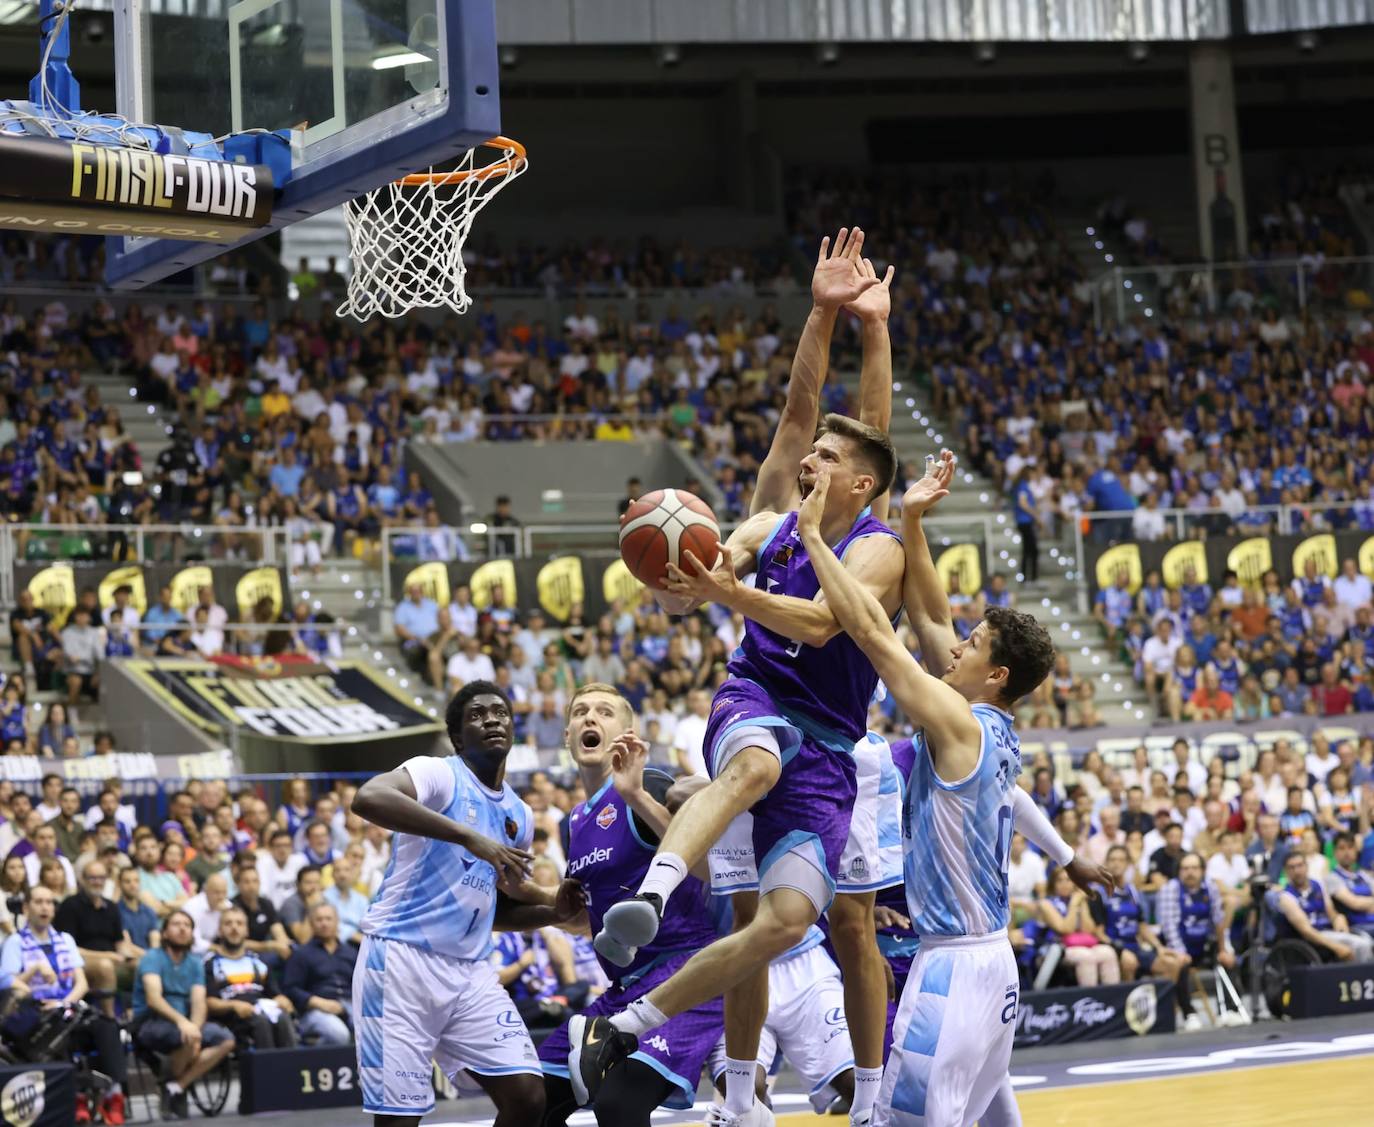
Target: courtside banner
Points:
(1248, 556)
(295, 701)
(1341, 988)
(55, 185)
(1089, 1013)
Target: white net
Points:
(406, 238)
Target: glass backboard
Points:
(371, 90)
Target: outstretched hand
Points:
(813, 507)
(570, 900)
(926, 493)
(839, 277)
(875, 303)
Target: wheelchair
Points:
(210, 1093)
(35, 1035)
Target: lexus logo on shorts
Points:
(606, 817)
(510, 1019)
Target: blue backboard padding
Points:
(473, 115)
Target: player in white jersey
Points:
(952, 1039)
(423, 988)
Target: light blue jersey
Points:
(957, 835)
(890, 797)
(438, 896)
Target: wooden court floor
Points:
(1317, 1093)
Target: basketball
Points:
(663, 525)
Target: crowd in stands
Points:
(1305, 648)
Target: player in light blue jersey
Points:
(424, 988)
(953, 1035)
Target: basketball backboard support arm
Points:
(357, 126)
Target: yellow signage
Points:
(1250, 559)
(186, 585)
(1320, 548)
(54, 589)
(619, 585)
(1123, 560)
(964, 562)
(1178, 559)
(1365, 557)
(560, 585)
(495, 573)
(256, 585)
(131, 577)
(433, 577)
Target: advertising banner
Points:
(237, 588)
(1249, 557)
(123, 765)
(56, 185)
(1321, 991)
(287, 701)
(1090, 1013)
(38, 1095)
(554, 586)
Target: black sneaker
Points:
(174, 1106)
(597, 1046)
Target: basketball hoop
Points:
(406, 238)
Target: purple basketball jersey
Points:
(831, 685)
(607, 854)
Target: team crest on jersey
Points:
(472, 812)
(606, 816)
(783, 555)
(511, 828)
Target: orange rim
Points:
(506, 166)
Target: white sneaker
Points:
(757, 1116)
(1193, 1023)
(1232, 1018)
(860, 1118)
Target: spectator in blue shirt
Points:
(170, 1013)
(347, 900)
(160, 620)
(423, 633)
(1113, 606)
(285, 477)
(139, 920)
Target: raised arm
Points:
(389, 800)
(952, 732)
(875, 379)
(927, 604)
(837, 280)
(1030, 821)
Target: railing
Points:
(1116, 525)
(1203, 289)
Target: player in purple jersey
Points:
(783, 728)
(609, 842)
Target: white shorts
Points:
(951, 1041)
(872, 857)
(412, 1006)
(805, 996)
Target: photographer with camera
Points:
(44, 971)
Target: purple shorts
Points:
(807, 812)
(677, 1050)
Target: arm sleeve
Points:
(433, 781)
(11, 961)
(1031, 822)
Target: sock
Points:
(114, 1090)
(664, 875)
(173, 1088)
(866, 1084)
(639, 1018)
(739, 1085)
